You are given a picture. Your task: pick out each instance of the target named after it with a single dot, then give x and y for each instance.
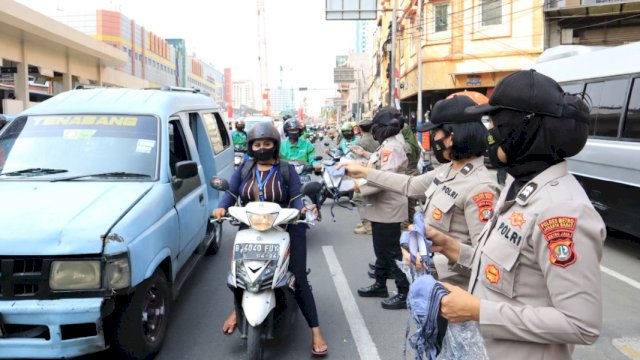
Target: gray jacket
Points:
(536, 270)
(386, 206)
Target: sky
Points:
(224, 33)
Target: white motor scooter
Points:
(259, 266)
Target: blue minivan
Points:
(105, 213)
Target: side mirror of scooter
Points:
(318, 158)
(219, 184)
(326, 144)
(311, 188)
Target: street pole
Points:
(358, 111)
(419, 114)
(392, 70)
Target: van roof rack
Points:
(88, 87)
(177, 88)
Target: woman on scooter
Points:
(263, 183)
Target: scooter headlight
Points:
(262, 222)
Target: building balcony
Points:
(590, 7)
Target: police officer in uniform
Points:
(535, 284)
(386, 209)
(365, 146)
(459, 195)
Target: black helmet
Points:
(291, 124)
(286, 117)
(388, 116)
(365, 125)
(263, 130)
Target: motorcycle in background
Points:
(335, 184)
(259, 266)
(239, 155)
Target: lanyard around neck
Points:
(261, 183)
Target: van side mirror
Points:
(219, 183)
(186, 169)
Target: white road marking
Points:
(629, 346)
(620, 277)
(366, 347)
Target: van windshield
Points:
(52, 146)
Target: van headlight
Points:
(117, 272)
(75, 275)
(262, 222)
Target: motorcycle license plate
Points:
(305, 179)
(257, 251)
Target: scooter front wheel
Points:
(255, 347)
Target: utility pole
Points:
(420, 24)
(392, 70)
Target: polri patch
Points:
(517, 219)
(484, 201)
(492, 273)
(558, 231)
(386, 156)
(437, 214)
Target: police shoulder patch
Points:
(484, 202)
(466, 169)
(526, 191)
(385, 155)
(558, 231)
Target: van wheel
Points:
(214, 229)
(141, 322)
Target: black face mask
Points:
(264, 154)
(293, 136)
(240, 128)
(438, 150)
(348, 135)
(494, 141)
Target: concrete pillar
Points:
(67, 82)
(67, 78)
(21, 83)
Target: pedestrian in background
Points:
(386, 209)
(535, 284)
(413, 156)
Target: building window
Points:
(632, 122)
(441, 12)
(491, 12)
(607, 100)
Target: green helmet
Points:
(346, 127)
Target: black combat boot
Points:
(395, 302)
(372, 274)
(378, 289)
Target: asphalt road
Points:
(205, 302)
(358, 328)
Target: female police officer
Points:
(535, 284)
(386, 210)
(460, 194)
